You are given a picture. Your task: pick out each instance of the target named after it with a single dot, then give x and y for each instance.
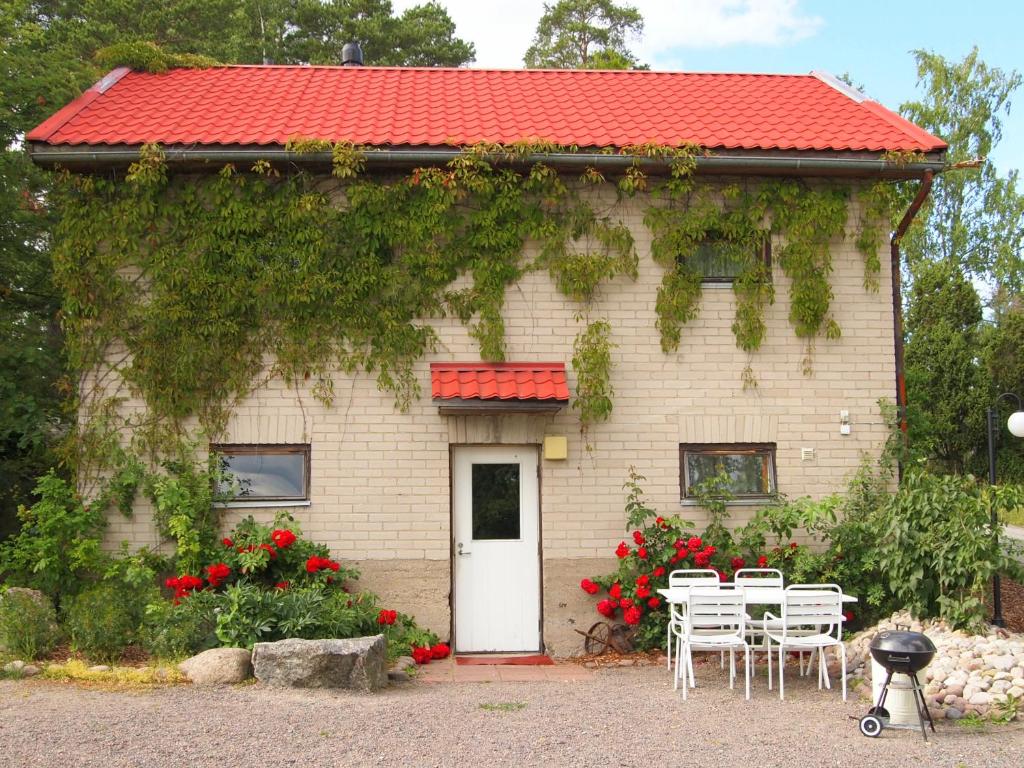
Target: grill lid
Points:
(897, 641)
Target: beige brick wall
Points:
(380, 478)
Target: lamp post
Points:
(1016, 426)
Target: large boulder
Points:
(358, 663)
(218, 666)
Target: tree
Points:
(585, 34)
(1004, 360)
(949, 390)
(975, 217)
(47, 57)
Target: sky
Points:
(868, 39)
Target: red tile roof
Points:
(499, 381)
(430, 107)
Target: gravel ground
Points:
(619, 717)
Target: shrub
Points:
(103, 620)
(28, 625)
(172, 631)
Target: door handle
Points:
(461, 552)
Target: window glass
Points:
(718, 259)
(495, 501)
(265, 472)
(750, 469)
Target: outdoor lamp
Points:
(1016, 426)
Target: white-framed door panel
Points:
(496, 546)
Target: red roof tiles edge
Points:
(62, 116)
(899, 122)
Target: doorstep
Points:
(447, 671)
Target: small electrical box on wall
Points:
(844, 422)
(556, 447)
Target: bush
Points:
(28, 625)
(172, 631)
(103, 620)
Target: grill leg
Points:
(885, 690)
(919, 693)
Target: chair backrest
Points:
(813, 606)
(720, 608)
(758, 577)
(691, 577)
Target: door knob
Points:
(460, 550)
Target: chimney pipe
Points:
(351, 55)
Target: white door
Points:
(497, 549)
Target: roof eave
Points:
(84, 157)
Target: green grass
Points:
(504, 706)
(1013, 516)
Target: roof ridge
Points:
(69, 111)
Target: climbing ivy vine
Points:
(193, 288)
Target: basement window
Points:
(720, 260)
(749, 466)
(264, 473)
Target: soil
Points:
(1013, 604)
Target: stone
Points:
(980, 699)
(14, 667)
(952, 713)
(1016, 691)
(956, 689)
(99, 668)
(358, 663)
(218, 666)
(937, 713)
(30, 670)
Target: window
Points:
(720, 260)
(750, 466)
(265, 472)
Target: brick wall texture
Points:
(380, 478)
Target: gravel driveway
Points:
(619, 717)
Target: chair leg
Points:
(685, 660)
(824, 668)
(746, 667)
(842, 656)
(677, 654)
(768, 648)
(782, 684)
(668, 646)
(689, 666)
(732, 669)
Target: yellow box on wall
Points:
(556, 447)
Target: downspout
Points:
(897, 301)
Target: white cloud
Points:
(502, 29)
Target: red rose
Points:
(659, 571)
(642, 553)
(847, 615)
(653, 603)
(387, 617)
(793, 545)
(626, 603)
(283, 538)
(737, 563)
(702, 559)
(674, 559)
(638, 537)
(659, 520)
(270, 549)
(695, 543)
(217, 573)
(722, 576)
(589, 587)
(421, 655)
(632, 616)
(606, 608)
(227, 542)
(615, 590)
(642, 580)
(440, 651)
(282, 585)
(762, 562)
(642, 592)
(679, 544)
(622, 550)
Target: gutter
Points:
(897, 299)
(91, 156)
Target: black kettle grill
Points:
(905, 653)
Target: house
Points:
(481, 505)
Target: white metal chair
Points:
(756, 578)
(715, 620)
(685, 577)
(812, 620)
